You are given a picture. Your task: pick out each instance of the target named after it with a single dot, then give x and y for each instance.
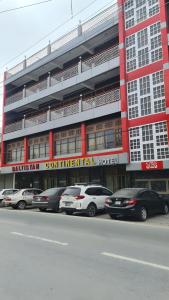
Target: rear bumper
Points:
(40, 204)
(126, 211)
(72, 210)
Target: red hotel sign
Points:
(152, 165)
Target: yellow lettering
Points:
(67, 163)
(87, 161)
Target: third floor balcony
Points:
(85, 74)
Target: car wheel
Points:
(114, 217)
(91, 210)
(165, 209)
(143, 214)
(14, 206)
(69, 213)
(21, 205)
(42, 209)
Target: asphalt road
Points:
(53, 256)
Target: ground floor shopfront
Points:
(113, 177)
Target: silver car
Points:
(22, 198)
(7, 192)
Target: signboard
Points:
(152, 165)
(67, 163)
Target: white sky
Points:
(22, 28)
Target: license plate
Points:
(117, 202)
(68, 203)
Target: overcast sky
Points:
(22, 28)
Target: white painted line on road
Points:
(134, 260)
(39, 238)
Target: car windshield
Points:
(127, 193)
(50, 192)
(72, 191)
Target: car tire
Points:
(69, 213)
(165, 209)
(114, 217)
(91, 210)
(42, 209)
(14, 206)
(142, 216)
(21, 205)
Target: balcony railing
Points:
(66, 74)
(110, 13)
(67, 110)
(100, 58)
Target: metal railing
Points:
(65, 111)
(110, 13)
(13, 127)
(100, 58)
(38, 119)
(66, 74)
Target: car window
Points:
(72, 191)
(154, 196)
(94, 191)
(106, 192)
(145, 195)
(28, 193)
(36, 192)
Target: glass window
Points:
(159, 185)
(100, 140)
(109, 139)
(94, 191)
(106, 192)
(72, 191)
(91, 142)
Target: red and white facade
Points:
(119, 102)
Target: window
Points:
(15, 152)
(148, 151)
(94, 191)
(152, 88)
(67, 142)
(149, 45)
(158, 185)
(104, 135)
(139, 10)
(106, 192)
(145, 106)
(149, 142)
(39, 147)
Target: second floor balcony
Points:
(86, 74)
(85, 109)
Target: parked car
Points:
(6, 192)
(87, 199)
(137, 202)
(22, 198)
(49, 199)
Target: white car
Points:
(84, 198)
(22, 198)
(6, 192)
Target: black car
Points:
(49, 199)
(137, 202)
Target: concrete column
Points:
(13, 181)
(79, 28)
(49, 80)
(24, 63)
(25, 149)
(51, 145)
(49, 114)
(80, 65)
(83, 139)
(24, 91)
(23, 122)
(80, 103)
(49, 48)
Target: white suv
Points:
(84, 198)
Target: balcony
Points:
(82, 39)
(84, 74)
(82, 110)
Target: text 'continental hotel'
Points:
(93, 106)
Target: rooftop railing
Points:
(109, 13)
(65, 111)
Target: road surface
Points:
(47, 256)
